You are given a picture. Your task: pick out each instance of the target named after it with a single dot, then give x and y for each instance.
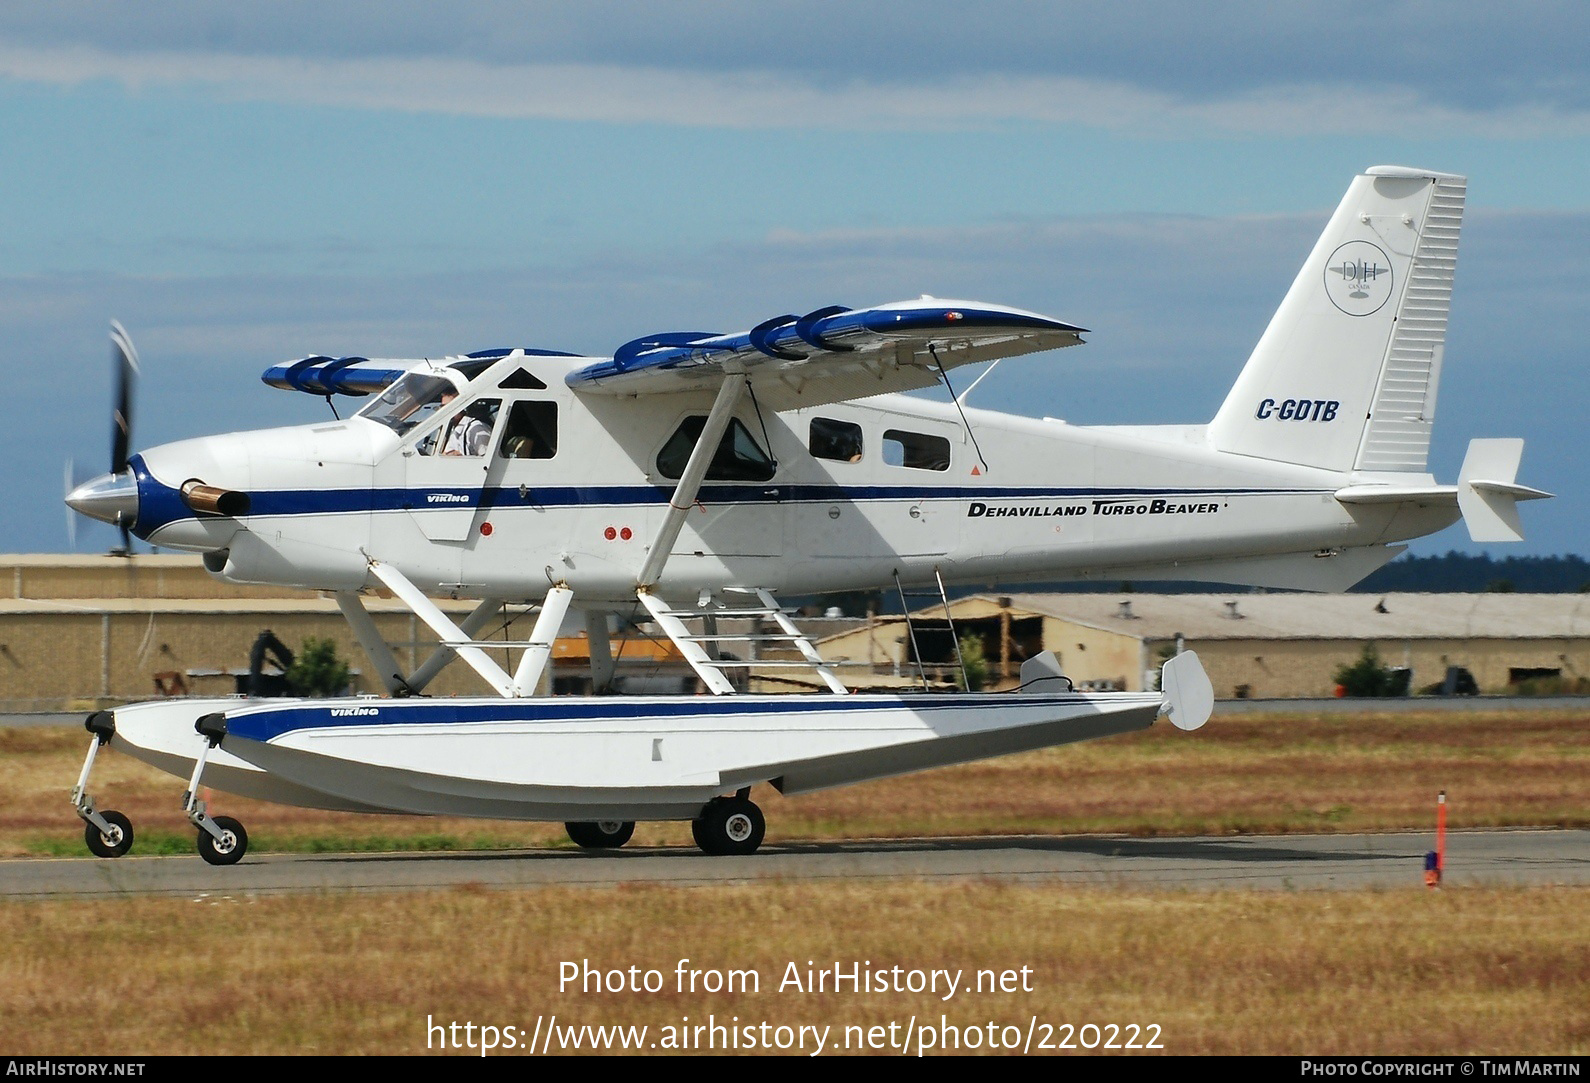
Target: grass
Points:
(1479, 971)
(1248, 774)
(1472, 971)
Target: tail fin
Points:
(1345, 376)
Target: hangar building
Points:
(78, 632)
(1253, 645)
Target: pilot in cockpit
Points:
(470, 431)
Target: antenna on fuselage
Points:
(964, 395)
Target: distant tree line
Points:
(1454, 573)
(1466, 573)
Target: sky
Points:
(246, 184)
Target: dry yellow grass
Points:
(1410, 972)
(1470, 971)
(1244, 774)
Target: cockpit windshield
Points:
(409, 401)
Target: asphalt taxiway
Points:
(1277, 862)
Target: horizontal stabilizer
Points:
(1398, 494)
(1488, 493)
(832, 354)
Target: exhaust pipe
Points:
(210, 500)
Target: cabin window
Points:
(522, 381)
(531, 432)
(836, 440)
(916, 450)
(739, 456)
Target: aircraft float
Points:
(699, 475)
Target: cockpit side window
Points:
(531, 431)
(466, 433)
(408, 401)
(739, 457)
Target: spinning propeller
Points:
(113, 497)
(125, 358)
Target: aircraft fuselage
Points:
(895, 486)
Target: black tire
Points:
(729, 826)
(112, 845)
(698, 831)
(225, 851)
(600, 834)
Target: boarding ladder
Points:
(698, 648)
(944, 600)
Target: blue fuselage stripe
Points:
(324, 501)
(160, 505)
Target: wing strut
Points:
(695, 471)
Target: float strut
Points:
(212, 727)
(102, 724)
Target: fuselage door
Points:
(445, 470)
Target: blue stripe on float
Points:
(256, 725)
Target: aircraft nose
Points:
(110, 498)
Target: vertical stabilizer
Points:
(1345, 376)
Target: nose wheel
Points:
(108, 833)
(729, 825)
(226, 845)
(222, 840)
(113, 840)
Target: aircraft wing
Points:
(321, 375)
(829, 355)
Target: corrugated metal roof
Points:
(308, 603)
(1318, 616)
(101, 560)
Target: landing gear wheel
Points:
(600, 834)
(729, 825)
(229, 848)
(114, 843)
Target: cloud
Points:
(772, 98)
(1456, 52)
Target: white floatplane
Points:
(693, 471)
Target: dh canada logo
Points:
(1358, 278)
